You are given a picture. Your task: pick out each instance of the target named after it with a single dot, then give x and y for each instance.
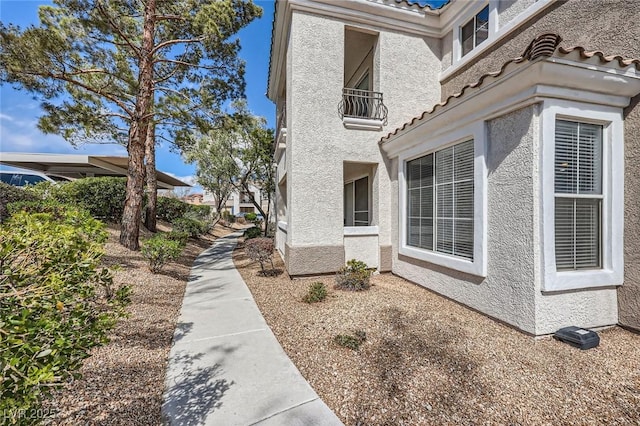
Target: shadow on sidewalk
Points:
(194, 393)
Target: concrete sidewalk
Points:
(226, 366)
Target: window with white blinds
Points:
(440, 201)
(578, 195)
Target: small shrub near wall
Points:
(254, 232)
(317, 293)
(260, 250)
(354, 276)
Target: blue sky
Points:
(19, 112)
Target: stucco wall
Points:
(317, 142)
(509, 9)
(608, 26)
(508, 291)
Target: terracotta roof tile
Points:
(542, 46)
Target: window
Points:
(356, 203)
(578, 195)
(475, 31)
(440, 201)
(582, 193)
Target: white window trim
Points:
(464, 19)
(612, 271)
(477, 266)
(496, 33)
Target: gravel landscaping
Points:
(123, 381)
(428, 360)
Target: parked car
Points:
(28, 178)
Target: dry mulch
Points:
(430, 361)
(122, 382)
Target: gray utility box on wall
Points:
(578, 337)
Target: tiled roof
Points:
(542, 46)
(417, 4)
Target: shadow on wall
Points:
(194, 393)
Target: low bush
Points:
(192, 227)
(317, 293)
(260, 250)
(201, 211)
(349, 341)
(103, 197)
(11, 194)
(57, 210)
(254, 232)
(56, 303)
(228, 217)
(251, 217)
(354, 276)
(171, 209)
(181, 237)
(159, 250)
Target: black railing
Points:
(365, 104)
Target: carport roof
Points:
(79, 166)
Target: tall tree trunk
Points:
(152, 182)
(132, 214)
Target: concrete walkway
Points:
(226, 366)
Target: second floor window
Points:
(475, 31)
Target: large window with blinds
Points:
(440, 201)
(578, 195)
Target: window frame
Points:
(474, 31)
(477, 266)
(611, 272)
(352, 182)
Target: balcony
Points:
(362, 109)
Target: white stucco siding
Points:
(508, 291)
(315, 174)
(362, 248)
(509, 9)
(409, 69)
(318, 144)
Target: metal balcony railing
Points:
(365, 104)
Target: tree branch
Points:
(176, 41)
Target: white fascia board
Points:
(522, 85)
(279, 47)
(419, 22)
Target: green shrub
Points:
(57, 210)
(201, 211)
(193, 227)
(11, 194)
(354, 276)
(170, 209)
(56, 302)
(159, 250)
(103, 197)
(227, 216)
(251, 217)
(349, 341)
(317, 293)
(181, 237)
(254, 232)
(260, 250)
